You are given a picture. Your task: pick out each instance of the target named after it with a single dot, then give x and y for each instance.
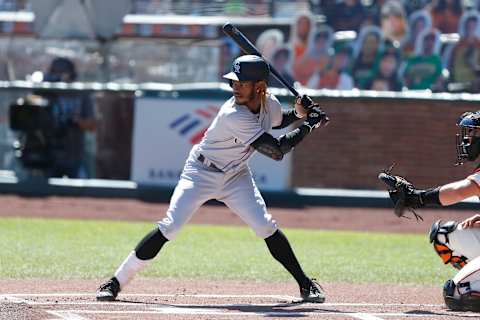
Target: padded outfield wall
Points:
(368, 132)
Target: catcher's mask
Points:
(468, 139)
(248, 68)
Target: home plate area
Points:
(82, 306)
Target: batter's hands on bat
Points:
(403, 194)
(303, 104)
(316, 118)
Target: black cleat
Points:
(313, 293)
(109, 290)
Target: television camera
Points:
(31, 117)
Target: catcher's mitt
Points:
(403, 194)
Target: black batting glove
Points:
(316, 118)
(307, 102)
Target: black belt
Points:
(202, 159)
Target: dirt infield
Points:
(41, 299)
(197, 299)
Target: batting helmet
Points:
(249, 68)
(468, 140)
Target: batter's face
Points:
(244, 93)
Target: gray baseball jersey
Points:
(226, 142)
(217, 169)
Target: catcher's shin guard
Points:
(457, 302)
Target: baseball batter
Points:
(217, 168)
(456, 243)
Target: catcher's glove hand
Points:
(403, 194)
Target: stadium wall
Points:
(368, 134)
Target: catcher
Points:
(457, 243)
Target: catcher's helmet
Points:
(249, 68)
(468, 140)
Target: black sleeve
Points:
(274, 148)
(267, 145)
(288, 117)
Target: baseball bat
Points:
(249, 48)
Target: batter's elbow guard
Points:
(269, 146)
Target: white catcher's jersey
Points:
(466, 242)
(475, 177)
(226, 143)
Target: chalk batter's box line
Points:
(198, 309)
(17, 297)
(180, 311)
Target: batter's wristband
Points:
(296, 114)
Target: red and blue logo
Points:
(193, 125)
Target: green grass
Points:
(63, 249)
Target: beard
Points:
(245, 100)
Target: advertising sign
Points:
(165, 129)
